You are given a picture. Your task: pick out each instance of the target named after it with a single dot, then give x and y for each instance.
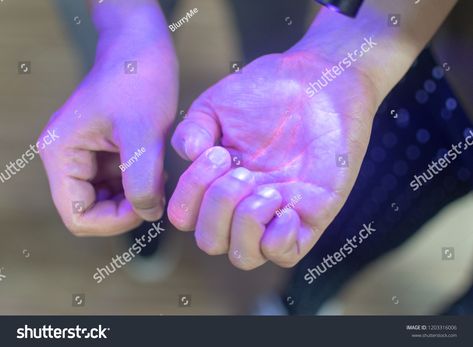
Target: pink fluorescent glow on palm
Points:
(289, 144)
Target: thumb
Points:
(196, 133)
(142, 173)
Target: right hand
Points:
(110, 116)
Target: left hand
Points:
(291, 149)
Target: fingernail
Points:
(242, 174)
(194, 145)
(217, 155)
(187, 150)
(268, 192)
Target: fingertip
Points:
(190, 140)
(151, 214)
(185, 202)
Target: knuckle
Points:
(269, 251)
(174, 216)
(245, 212)
(181, 214)
(190, 181)
(220, 193)
(210, 247)
(268, 248)
(76, 229)
(245, 264)
(246, 218)
(278, 257)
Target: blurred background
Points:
(43, 267)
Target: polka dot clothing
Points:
(417, 123)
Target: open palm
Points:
(303, 155)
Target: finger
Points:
(212, 231)
(307, 238)
(314, 206)
(70, 173)
(196, 133)
(142, 172)
(185, 202)
(279, 243)
(248, 225)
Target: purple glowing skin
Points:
(111, 115)
(287, 141)
(290, 141)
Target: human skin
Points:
(110, 116)
(286, 142)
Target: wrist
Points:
(365, 44)
(343, 63)
(127, 16)
(152, 52)
(400, 30)
(148, 42)
(135, 27)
